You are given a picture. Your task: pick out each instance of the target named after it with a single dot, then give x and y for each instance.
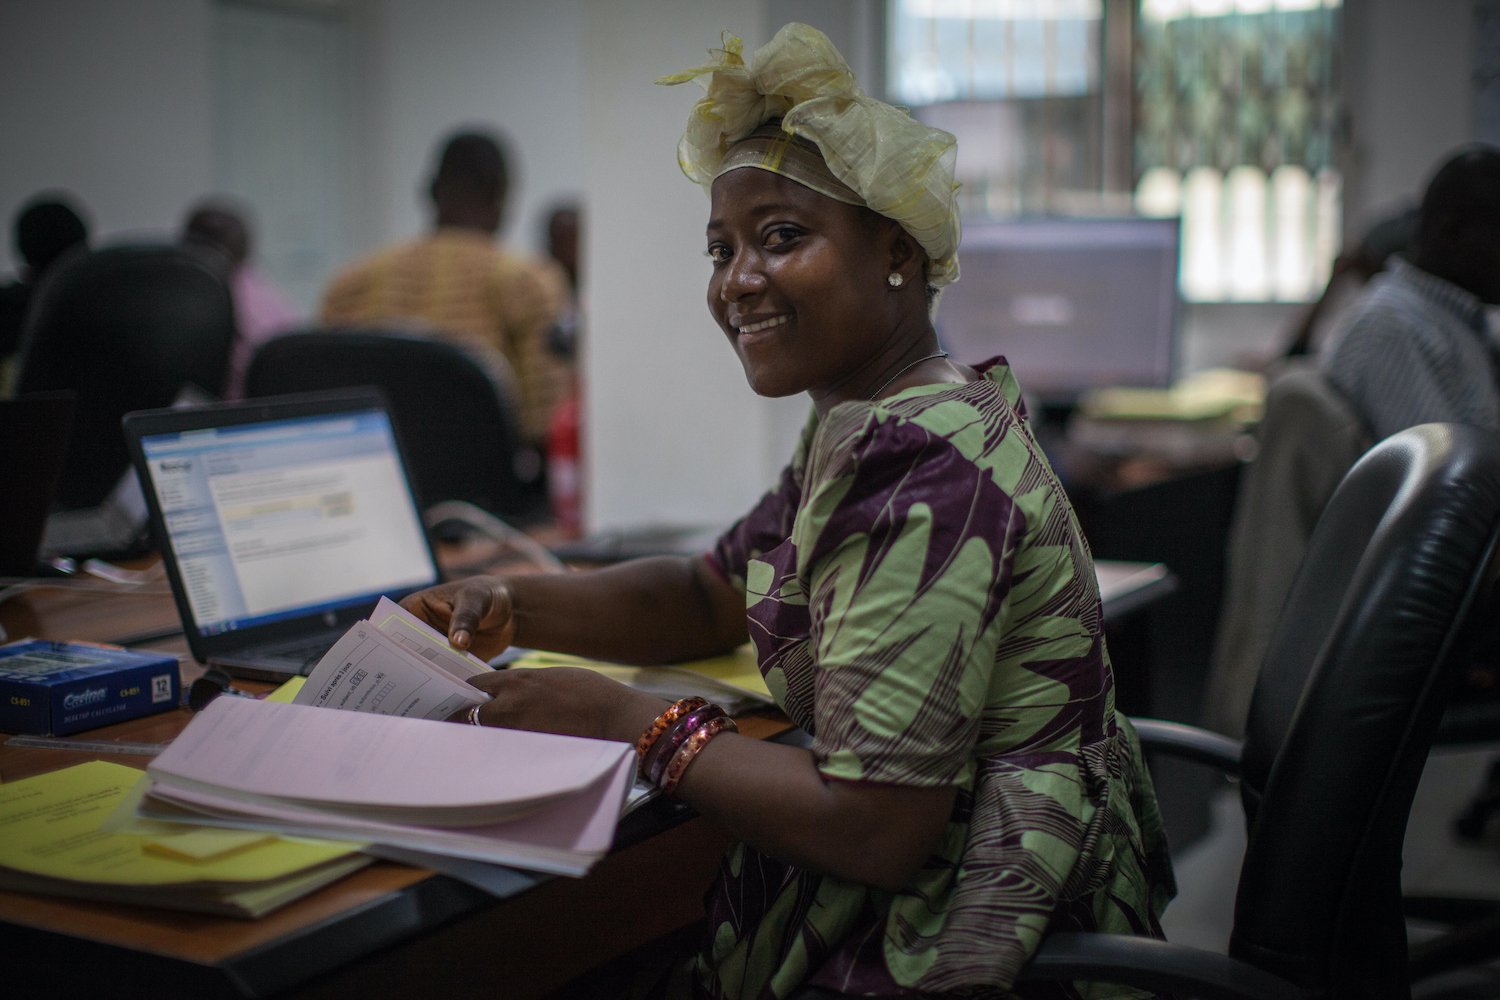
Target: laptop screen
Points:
(285, 518)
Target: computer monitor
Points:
(1073, 304)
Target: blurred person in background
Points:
(47, 226)
(1417, 347)
(261, 311)
(1352, 270)
(458, 281)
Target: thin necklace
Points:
(887, 382)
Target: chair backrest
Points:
(451, 404)
(124, 328)
(1399, 577)
(1308, 438)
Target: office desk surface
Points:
(379, 924)
(91, 609)
(387, 930)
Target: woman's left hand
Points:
(568, 700)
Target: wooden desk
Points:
(386, 930)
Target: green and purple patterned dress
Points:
(923, 604)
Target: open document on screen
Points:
(278, 519)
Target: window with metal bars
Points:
(1226, 113)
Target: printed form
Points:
(394, 664)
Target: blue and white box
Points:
(56, 688)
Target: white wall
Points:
(430, 67)
(113, 100)
(673, 432)
(109, 100)
(1410, 96)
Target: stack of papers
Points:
(532, 800)
(387, 771)
(1214, 394)
(59, 836)
(396, 664)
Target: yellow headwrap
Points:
(896, 165)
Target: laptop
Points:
(34, 432)
(281, 521)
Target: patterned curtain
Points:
(1019, 82)
(1236, 128)
(1233, 106)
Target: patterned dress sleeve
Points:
(906, 547)
(769, 523)
(932, 618)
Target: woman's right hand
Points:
(475, 613)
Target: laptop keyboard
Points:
(303, 650)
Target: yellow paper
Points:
(738, 669)
(206, 845)
(734, 674)
(1208, 395)
(50, 826)
(287, 691)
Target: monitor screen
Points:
(1073, 304)
(286, 518)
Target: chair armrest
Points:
(1191, 743)
(1160, 966)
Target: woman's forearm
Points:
(774, 799)
(771, 796)
(655, 610)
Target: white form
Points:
(368, 671)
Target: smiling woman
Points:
(791, 274)
(916, 587)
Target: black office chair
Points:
(451, 404)
(124, 328)
(1308, 439)
(1398, 586)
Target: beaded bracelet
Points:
(663, 721)
(689, 750)
(655, 763)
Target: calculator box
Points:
(56, 688)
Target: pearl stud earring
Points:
(895, 280)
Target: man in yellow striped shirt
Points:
(459, 282)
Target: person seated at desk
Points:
(459, 283)
(920, 598)
(261, 310)
(1352, 270)
(46, 229)
(1418, 347)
